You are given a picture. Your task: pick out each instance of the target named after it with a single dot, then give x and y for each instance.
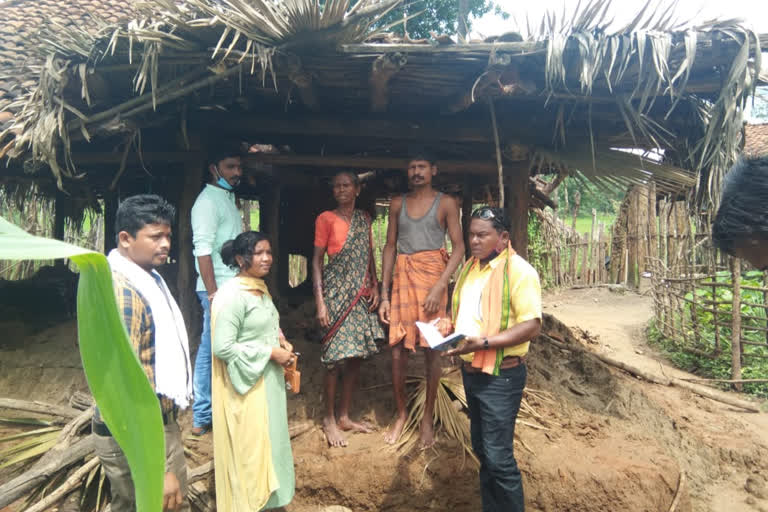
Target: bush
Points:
(754, 358)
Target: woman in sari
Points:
(347, 295)
(252, 447)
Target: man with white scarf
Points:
(157, 332)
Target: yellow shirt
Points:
(525, 299)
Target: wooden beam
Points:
(384, 68)
(552, 186)
(366, 162)
(148, 157)
(302, 79)
(539, 195)
(520, 48)
(454, 129)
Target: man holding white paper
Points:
(497, 305)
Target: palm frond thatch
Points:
(165, 29)
(28, 445)
(647, 54)
(451, 419)
(677, 88)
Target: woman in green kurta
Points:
(252, 447)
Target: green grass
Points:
(584, 224)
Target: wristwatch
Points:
(485, 343)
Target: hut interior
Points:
(130, 103)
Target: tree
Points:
(439, 16)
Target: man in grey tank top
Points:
(415, 250)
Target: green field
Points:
(584, 224)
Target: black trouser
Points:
(494, 402)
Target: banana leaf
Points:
(127, 403)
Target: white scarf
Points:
(173, 373)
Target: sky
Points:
(754, 12)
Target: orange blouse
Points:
(330, 232)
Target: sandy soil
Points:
(720, 448)
(613, 442)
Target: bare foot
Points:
(427, 433)
(347, 425)
(332, 433)
(393, 435)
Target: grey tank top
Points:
(424, 234)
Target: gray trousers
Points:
(116, 468)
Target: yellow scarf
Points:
(494, 305)
(253, 284)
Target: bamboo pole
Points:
(736, 323)
(498, 152)
(650, 377)
(68, 486)
(584, 270)
(592, 256)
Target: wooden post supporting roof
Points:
(518, 196)
(186, 278)
(466, 213)
(110, 216)
(269, 220)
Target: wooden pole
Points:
(186, 278)
(270, 224)
(245, 206)
(601, 254)
(663, 231)
(584, 260)
(58, 217)
(736, 323)
(592, 245)
(632, 236)
(466, 213)
(653, 243)
(576, 206)
(69, 485)
(498, 160)
(63, 454)
(110, 215)
(518, 200)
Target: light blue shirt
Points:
(215, 220)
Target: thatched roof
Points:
(570, 95)
(22, 19)
(756, 139)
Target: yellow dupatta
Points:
(494, 305)
(244, 472)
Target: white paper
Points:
(436, 340)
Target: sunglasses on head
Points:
(485, 213)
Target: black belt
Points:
(506, 363)
(100, 428)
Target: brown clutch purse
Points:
(293, 376)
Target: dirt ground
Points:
(612, 442)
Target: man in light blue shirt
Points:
(215, 220)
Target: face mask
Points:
(221, 182)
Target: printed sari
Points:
(347, 284)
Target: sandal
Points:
(201, 431)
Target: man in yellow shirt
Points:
(497, 305)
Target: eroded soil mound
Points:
(611, 442)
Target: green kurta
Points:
(248, 391)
